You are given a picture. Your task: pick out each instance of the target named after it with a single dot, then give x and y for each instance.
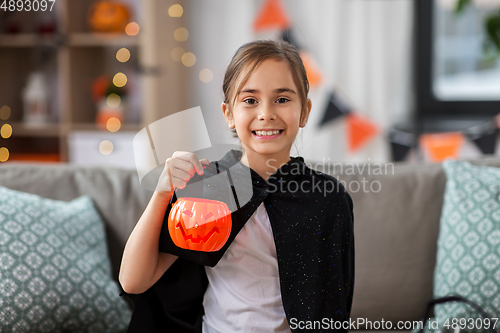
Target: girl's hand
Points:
(178, 170)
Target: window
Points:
(455, 78)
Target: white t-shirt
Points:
(243, 293)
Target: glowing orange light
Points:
(206, 75)
(4, 112)
(6, 131)
(175, 10)
(106, 147)
(4, 154)
(123, 55)
(188, 59)
(132, 29)
(113, 124)
(181, 34)
(120, 80)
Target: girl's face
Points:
(266, 112)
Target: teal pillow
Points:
(468, 255)
(55, 273)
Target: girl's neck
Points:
(265, 165)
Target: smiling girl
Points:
(267, 106)
(287, 267)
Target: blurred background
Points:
(391, 80)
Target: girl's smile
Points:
(267, 133)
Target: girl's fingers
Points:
(180, 174)
(182, 166)
(178, 183)
(204, 162)
(191, 158)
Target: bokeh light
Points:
(206, 75)
(123, 55)
(113, 100)
(175, 10)
(4, 154)
(6, 131)
(177, 53)
(188, 59)
(4, 112)
(181, 34)
(113, 124)
(120, 79)
(132, 29)
(106, 147)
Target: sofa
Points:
(397, 209)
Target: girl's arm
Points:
(142, 264)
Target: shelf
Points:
(54, 129)
(101, 39)
(28, 130)
(72, 59)
(27, 40)
(93, 127)
(34, 157)
(75, 40)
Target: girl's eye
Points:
(250, 101)
(282, 100)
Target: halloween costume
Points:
(312, 220)
(243, 293)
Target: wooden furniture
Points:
(72, 58)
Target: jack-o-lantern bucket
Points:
(199, 224)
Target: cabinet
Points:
(71, 59)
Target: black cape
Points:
(312, 219)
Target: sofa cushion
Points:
(396, 227)
(396, 221)
(55, 273)
(117, 194)
(468, 256)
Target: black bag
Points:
(453, 298)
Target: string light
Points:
(113, 100)
(106, 147)
(188, 59)
(206, 75)
(113, 124)
(120, 80)
(175, 10)
(181, 34)
(6, 131)
(4, 154)
(123, 55)
(132, 29)
(4, 112)
(177, 53)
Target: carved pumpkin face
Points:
(199, 224)
(108, 16)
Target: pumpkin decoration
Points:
(108, 16)
(199, 224)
